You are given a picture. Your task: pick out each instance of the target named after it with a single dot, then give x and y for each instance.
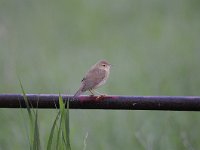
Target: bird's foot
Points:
(101, 96)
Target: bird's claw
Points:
(101, 96)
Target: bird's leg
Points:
(100, 94)
(92, 94)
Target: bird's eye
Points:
(104, 65)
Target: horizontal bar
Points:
(176, 103)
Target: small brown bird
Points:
(95, 77)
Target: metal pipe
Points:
(176, 103)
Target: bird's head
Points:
(103, 64)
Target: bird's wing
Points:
(93, 78)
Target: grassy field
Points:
(154, 48)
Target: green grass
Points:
(62, 140)
(153, 46)
(34, 137)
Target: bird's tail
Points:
(79, 92)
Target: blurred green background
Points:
(154, 46)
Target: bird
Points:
(96, 76)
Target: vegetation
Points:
(154, 48)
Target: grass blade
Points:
(67, 127)
(58, 136)
(31, 137)
(49, 144)
(85, 141)
(64, 124)
(36, 142)
(26, 101)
